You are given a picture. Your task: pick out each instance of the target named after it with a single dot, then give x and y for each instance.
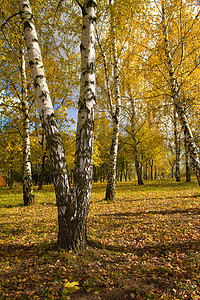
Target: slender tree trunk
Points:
(177, 149)
(146, 171)
(72, 206)
(122, 169)
(11, 168)
(10, 177)
(41, 178)
(126, 172)
(151, 169)
(141, 172)
(193, 150)
(187, 162)
(155, 173)
(138, 167)
(172, 171)
(95, 173)
(28, 195)
(110, 190)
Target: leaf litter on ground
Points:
(144, 245)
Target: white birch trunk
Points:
(72, 207)
(28, 195)
(110, 190)
(85, 125)
(193, 150)
(54, 141)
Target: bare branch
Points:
(9, 19)
(79, 4)
(57, 10)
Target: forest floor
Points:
(145, 245)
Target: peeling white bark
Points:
(54, 141)
(87, 99)
(72, 208)
(110, 190)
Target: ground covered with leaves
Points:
(145, 245)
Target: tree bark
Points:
(151, 168)
(138, 167)
(85, 129)
(146, 171)
(41, 177)
(155, 173)
(95, 173)
(172, 171)
(177, 149)
(72, 206)
(10, 177)
(177, 102)
(110, 189)
(122, 170)
(187, 162)
(28, 195)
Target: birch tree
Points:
(110, 189)
(14, 54)
(113, 100)
(73, 205)
(174, 86)
(138, 166)
(172, 50)
(28, 195)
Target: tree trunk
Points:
(95, 173)
(126, 173)
(76, 234)
(110, 190)
(155, 173)
(177, 102)
(151, 169)
(138, 167)
(187, 162)
(172, 170)
(146, 171)
(122, 169)
(177, 149)
(10, 177)
(28, 195)
(10, 181)
(72, 206)
(41, 178)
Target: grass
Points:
(145, 245)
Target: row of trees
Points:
(147, 75)
(157, 152)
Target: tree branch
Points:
(9, 19)
(57, 10)
(79, 4)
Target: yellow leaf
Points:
(70, 287)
